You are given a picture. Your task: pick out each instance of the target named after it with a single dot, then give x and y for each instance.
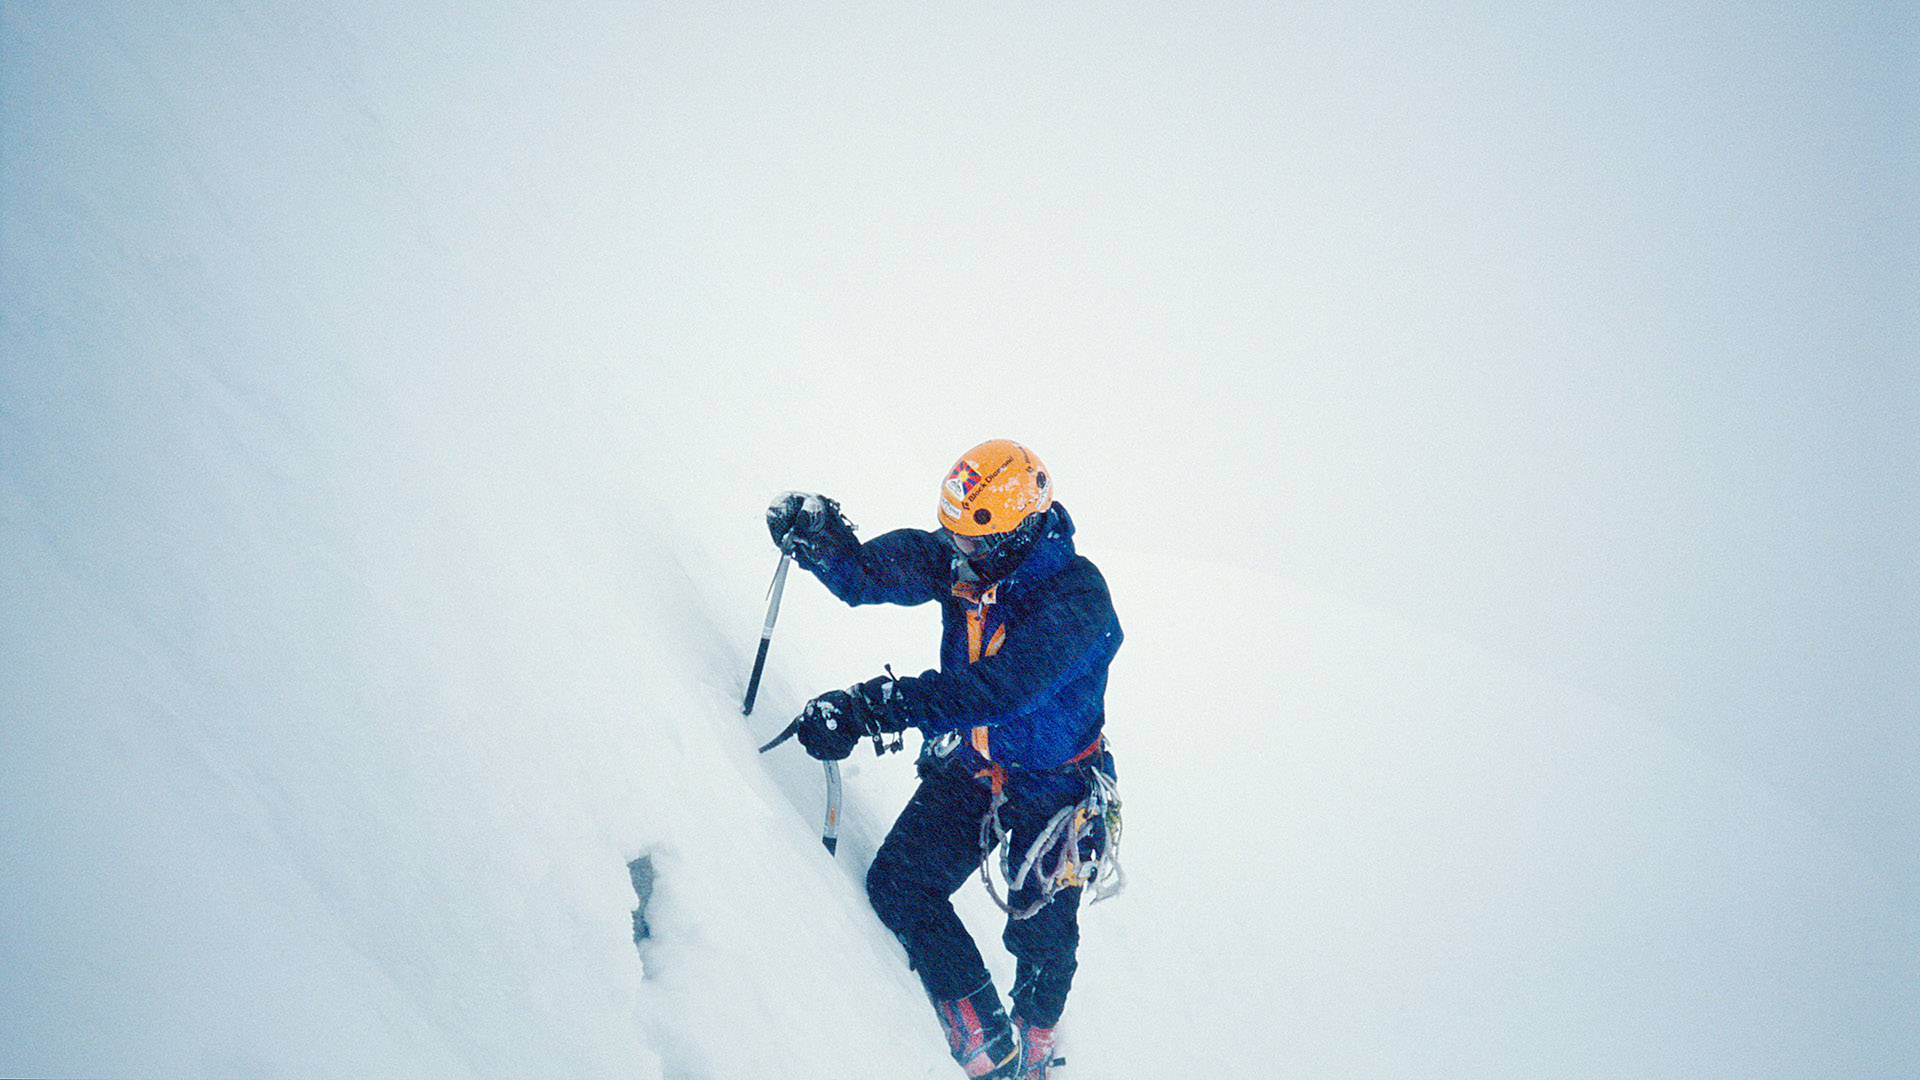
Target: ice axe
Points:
(830, 831)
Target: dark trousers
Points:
(934, 848)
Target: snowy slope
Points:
(383, 436)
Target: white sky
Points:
(1587, 334)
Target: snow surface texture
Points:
(1491, 430)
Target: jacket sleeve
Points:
(1063, 637)
(905, 566)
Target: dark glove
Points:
(831, 724)
(812, 523)
(884, 703)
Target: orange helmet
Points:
(993, 488)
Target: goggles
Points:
(980, 548)
(973, 545)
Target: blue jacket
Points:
(1023, 661)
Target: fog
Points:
(1578, 343)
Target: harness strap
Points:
(1098, 744)
(979, 646)
(997, 774)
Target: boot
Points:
(978, 1034)
(1036, 1051)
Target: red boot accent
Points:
(1036, 1051)
(978, 1034)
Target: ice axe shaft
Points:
(766, 628)
(830, 829)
